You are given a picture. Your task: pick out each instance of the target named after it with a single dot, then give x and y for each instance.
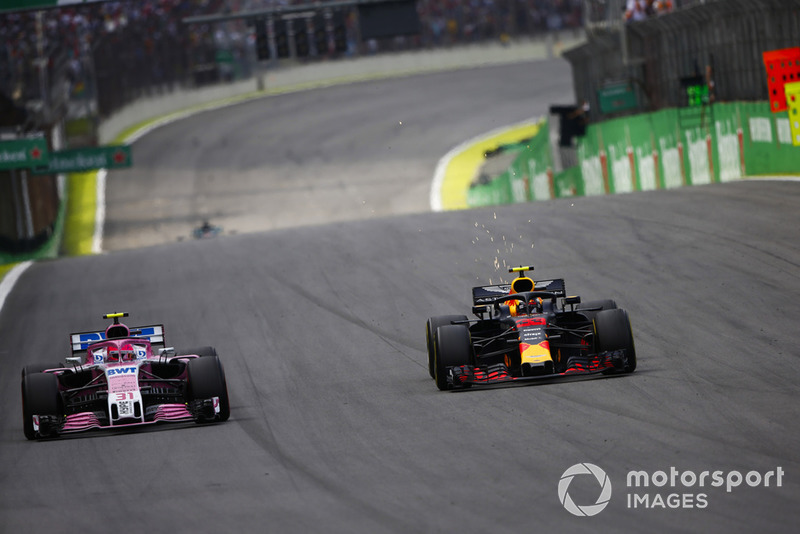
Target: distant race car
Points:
(114, 379)
(526, 331)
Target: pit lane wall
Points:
(651, 151)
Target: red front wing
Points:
(469, 375)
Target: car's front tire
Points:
(430, 335)
(206, 379)
(40, 397)
(613, 332)
(452, 347)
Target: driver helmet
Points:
(521, 284)
(127, 352)
(112, 354)
(124, 353)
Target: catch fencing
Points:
(716, 41)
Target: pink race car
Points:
(115, 379)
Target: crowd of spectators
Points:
(637, 10)
(457, 21)
(136, 45)
(446, 22)
(143, 41)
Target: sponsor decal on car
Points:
(122, 378)
(99, 355)
(141, 352)
(121, 371)
(155, 334)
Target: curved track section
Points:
(341, 153)
(336, 425)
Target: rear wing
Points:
(486, 294)
(80, 341)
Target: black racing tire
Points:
(206, 379)
(430, 334)
(40, 396)
(452, 347)
(591, 308)
(604, 304)
(613, 332)
(39, 367)
(199, 351)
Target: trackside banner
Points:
(652, 151)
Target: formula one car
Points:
(526, 331)
(114, 379)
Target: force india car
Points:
(115, 379)
(528, 330)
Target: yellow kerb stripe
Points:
(464, 166)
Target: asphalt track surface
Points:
(336, 426)
(348, 152)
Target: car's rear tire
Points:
(613, 332)
(430, 334)
(452, 347)
(39, 367)
(206, 379)
(591, 308)
(40, 396)
(199, 351)
(604, 304)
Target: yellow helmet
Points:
(521, 284)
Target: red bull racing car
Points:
(526, 331)
(116, 378)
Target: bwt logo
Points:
(122, 371)
(584, 469)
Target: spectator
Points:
(636, 10)
(663, 6)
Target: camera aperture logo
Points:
(590, 509)
(663, 489)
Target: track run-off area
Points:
(316, 295)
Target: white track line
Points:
(100, 212)
(772, 178)
(7, 283)
(441, 170)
